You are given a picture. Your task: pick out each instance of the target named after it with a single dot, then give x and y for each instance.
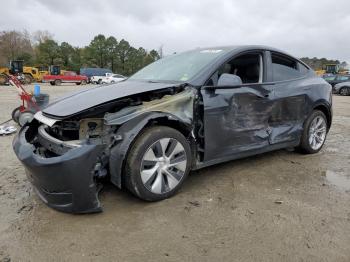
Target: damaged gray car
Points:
(183, 112)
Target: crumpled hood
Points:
(85, 99)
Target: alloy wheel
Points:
(163, 165)
(317, 132)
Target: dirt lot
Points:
(280, 206)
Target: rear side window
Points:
(284, 68)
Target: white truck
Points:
(100, 79)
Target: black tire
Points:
(78, 83)
(58, 82)
(99, 81)
(52, 83)
(344, 91)
(28, 79)
(4, 79)
(132, 171)
(15, 114)
(305, 146)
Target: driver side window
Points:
(248, 67)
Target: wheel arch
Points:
(325, 109)
(130, 131)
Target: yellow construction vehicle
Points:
(32, 74)
(15, 69)
(320, 72)
(332, 68)
(4, 72)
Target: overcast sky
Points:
(302, 27)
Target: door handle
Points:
(264, 96)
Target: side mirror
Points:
(229, 80)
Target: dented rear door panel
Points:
(289, 111)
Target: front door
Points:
(236, 118)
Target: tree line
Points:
(40, 49)
(320, 63)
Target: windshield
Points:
(178, 67)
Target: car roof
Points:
(243, 48)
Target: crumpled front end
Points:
(63, 173)
(65, 158)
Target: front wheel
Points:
(58, 82)
(314, 133)
(158, 163)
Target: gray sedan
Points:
(342, 89)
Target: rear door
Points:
(236, 118)
(291, 86)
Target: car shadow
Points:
(198, 178)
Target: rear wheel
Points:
(158, 163)
(99, 81)
(314, 133)
(344, 91)
(58, 82)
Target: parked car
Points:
(113, 79)
(342, 89)
(66, 77)
(100, 79)
(90, 72)
(336, 79)
(181, 113)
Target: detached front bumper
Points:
(64, 182)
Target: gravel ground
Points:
(280, 206)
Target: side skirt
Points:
(246, 154)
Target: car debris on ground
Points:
(7, 130)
